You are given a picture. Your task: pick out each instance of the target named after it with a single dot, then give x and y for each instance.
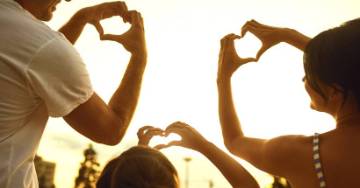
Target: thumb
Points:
(261, 51)
(247, 60)
(161, 146)
(172, 143)
(98, 27)
(175, 143)
(111, 37)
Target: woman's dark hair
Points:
(333, 58)
(139, 167)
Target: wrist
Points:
(222, 79)
(140, 57)
(81, 16)
(205, 147)
(297, 39)
(290, 35)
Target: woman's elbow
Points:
(229, 144)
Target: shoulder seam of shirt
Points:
(35, 54)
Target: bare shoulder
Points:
(287, 153)
(289, 142)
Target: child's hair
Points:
(139, 167)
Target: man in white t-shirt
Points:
(42, 75)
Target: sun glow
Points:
(183, 38)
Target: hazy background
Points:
(180, 79)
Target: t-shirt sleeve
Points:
(59, 77)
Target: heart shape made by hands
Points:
(114, 25)
(248, 46)
(163, 139)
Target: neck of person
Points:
(348, 114)
(21, 2)
(31, 8)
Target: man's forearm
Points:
(73, 28)
(125, 98)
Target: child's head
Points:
(139, 167)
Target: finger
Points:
(124, 20)
(141, 21)
(252, 29)
(244, 28)
(127, 17)
(254, 25)
(175, 143)
(145, 135)
(153, 129)
(225, 39)
(231, 36)
(145, 139)
(234, 36)
(133, 17)
(222, 43)
(138, 20)
(221, 53)
(231, 40)
(181, 130)
(118, 8)
(247, 60)
(111, 37)
(260, 25)
(98, 27)
(110, 9)
(122, 8)
(172, 143)
(142, 130)
(152, 132)
(262, 50)
(227, 36)
(177, 124)
(161, 146)
(254, 22)
(174, 129)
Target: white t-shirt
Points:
(41, 75)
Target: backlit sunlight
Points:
(183, 41)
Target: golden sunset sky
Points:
(180, 79)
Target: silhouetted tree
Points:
(89, 170)
(280, 184)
